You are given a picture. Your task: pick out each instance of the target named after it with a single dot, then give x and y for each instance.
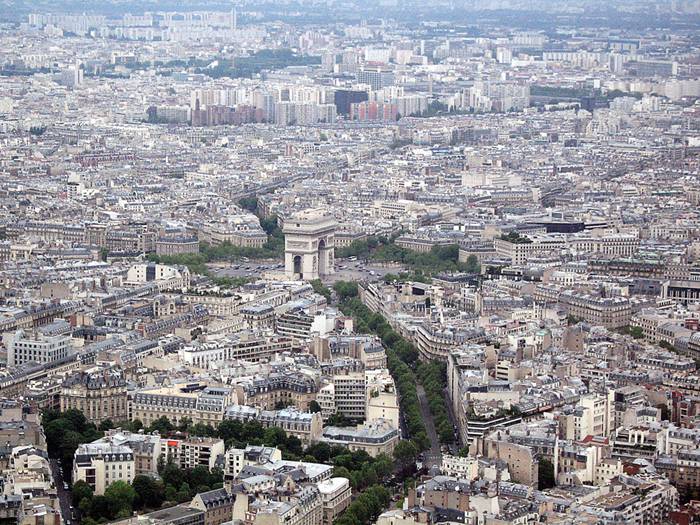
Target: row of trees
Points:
(117, 502)
(366, 507)
(438, 259)
(64, 432)
(417, 276)
(346, 290)
(177, 485)
(144, 493)
(433, 377)
(359, 467)
(273, 248)
(362, 247)
(399, 354)
(197, 262)
(234, 433)
(249, 203)
(384, 249)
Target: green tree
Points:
(383, 465)
(149, 492)
(229, 430)
(183, 494)
(184, 425)
(70, 442)
(120, 496)
(200, 429)
(253, 430)
(345, 289)
(405, 452)
(249, 203)
(274, 436)
(314, 407)
(545, 474)
(81, 490)
(341, 472)
(106, 424)
(636, 332)
(85, 506)
(270, 225)
(162, 425)
(339, 420)
(473, 265)
(77, 418)
(321, 289)
(100, 508)
(320, 451)
(198, 476)
(172, 475)
(170, 493)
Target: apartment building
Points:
(525, 248)
(29, 493)
(336, 494)
(306, 426)
(146, 448)
(381, 398)
(304, 507)
(286, 387)
(350, 395)
(98, 393)
(166, 277)
(101, 464)
(217, 506)
(247, 346)
(377, 437)
(237, 458)
(217, 302)
(193, 451)
(460, 467)
(629, 499)
(522, 462)
(172, 245)
(435, 342)
(192, 401)
(594, 415)
(610, 312)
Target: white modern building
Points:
(25, 347)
